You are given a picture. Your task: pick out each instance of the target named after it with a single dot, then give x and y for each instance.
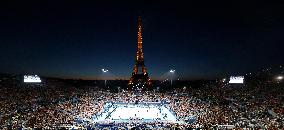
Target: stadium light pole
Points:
(172, 73)
(105, 71)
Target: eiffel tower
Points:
(139, 79)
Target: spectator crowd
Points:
(56, 106)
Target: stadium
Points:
(77, 104)
(90, 65)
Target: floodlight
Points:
(279, 77)
(104, 70)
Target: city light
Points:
(172, 71)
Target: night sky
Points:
(202, 39)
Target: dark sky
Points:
(198, 39)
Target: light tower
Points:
(139, 78)
(172, 74)
(105, 71)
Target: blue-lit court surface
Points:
(123, 112)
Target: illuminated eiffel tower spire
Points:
(139, 78)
